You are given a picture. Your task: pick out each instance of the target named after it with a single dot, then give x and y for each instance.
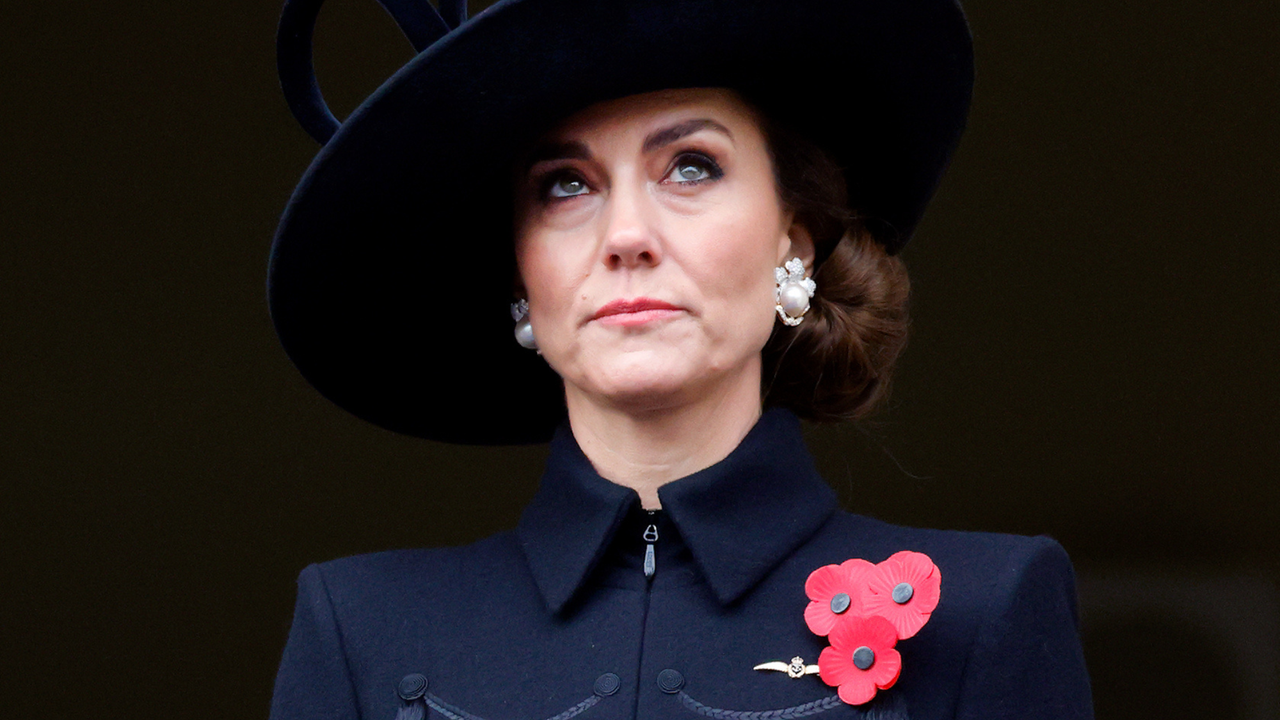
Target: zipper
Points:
(650, 537)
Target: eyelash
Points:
(699, 159)
(549, 180)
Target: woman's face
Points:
(647, 231)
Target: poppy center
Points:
(864, 657)
(839, 603)
(902, 593)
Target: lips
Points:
(634, 311)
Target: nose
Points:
(631, 236)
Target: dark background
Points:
(1094, 354)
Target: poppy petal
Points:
(857, 690)
(905, 619)
(844, 634)
(834, 667)
(880, 633)
(914, 566)
(819, 618)
(825, 582)
(856, 567)
(887, 668)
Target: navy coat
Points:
(557, 618)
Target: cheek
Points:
(742, 255)
(550, 276)
(534, 265)
(736, 278)
(747, 255)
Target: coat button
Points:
(607, 684)
(670, 681)
(412, 687)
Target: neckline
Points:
(739, 518)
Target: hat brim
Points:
(391, 272)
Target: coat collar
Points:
(739, 517)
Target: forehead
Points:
(639, 114)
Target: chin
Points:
(646, 383)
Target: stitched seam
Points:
(980, 640)
(644, 631)
(797, 711)
(342, 640)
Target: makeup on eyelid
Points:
(555, 184)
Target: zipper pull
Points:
(650, 537)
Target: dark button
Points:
(670, 681)
(864, 657)
(902, 592)
(607, 684)
(839, 602)
(412, 687)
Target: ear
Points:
(797, 243)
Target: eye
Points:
(693, 168)
(565, 185)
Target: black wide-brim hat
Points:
(392, 270)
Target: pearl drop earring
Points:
(524, 329)
(791, 298)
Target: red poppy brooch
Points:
(864, 610)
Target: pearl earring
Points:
(524, 329)
(793, 293)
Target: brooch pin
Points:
(795, 669)
(864, 610)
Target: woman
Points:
(703, 248)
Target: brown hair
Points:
(837, 363)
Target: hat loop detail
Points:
(417, 19)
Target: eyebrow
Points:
(666, 136)
(546, 152)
